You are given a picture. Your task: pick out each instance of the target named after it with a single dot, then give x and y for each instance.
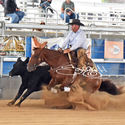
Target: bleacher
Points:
(97, 15)
(100, 19)
(90, 14)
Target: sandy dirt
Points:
(32, 112)
(109, 109)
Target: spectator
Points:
(69, 14)
(46, 3)
(11, 10)
(2, 2)
(42, 1)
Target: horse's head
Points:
(35, 59)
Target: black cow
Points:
(31, 81)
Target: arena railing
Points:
(102, 19)
(49, 7)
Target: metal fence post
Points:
(2, 28)
(1, 66)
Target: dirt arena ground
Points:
(32, 112)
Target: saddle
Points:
(84, 61)
(80, 59)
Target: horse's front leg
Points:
(51, 84)
(66, 83)
(63, 85)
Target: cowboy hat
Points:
(77, 22)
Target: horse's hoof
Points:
(54, 90)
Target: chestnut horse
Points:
(62, 69)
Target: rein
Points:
(92, 73)
(66, 67)
(70, 59)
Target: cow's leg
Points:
(20, 91)
(24, 96)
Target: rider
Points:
(76, 39)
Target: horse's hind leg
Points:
(79, 103)
(77, 97)
(21, 90)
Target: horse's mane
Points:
(55, 53)
(50, 52)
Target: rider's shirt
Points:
(75, 40)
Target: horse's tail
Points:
(111, 88)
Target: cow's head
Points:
(19, 67)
